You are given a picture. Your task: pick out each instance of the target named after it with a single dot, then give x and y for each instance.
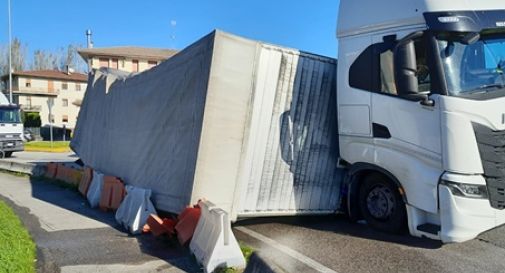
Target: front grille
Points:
(10, 137)
(492, 153)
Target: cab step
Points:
(429, 228)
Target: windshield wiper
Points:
(487, 87)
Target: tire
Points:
(8, 154)
(382, 205)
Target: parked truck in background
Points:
(11, 128)
(421, 106)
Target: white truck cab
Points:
(11, 128)
(421, 113)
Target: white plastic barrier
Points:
(213, 243)
(135, 209)
(95, 189)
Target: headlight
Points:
(466, 190)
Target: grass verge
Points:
(17, 250)
(45, 146)
(247, 251)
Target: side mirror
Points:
(405, 66)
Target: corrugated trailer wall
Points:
(249, 126)
(291, 150)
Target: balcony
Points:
(35, 91)
(31, 108)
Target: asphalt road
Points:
(332, 243)
(296, 244)
(71, 237)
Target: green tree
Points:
(31, 119)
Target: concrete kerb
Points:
(259, 264)
(26, 168)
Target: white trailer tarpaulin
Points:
(250, 126)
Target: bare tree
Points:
(44, 60)
(4, 60)
(18, 57)
(72, 59)
(57, 59)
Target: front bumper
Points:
(12, 145)
(463, 219)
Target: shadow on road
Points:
(342, 225)
(70, 199)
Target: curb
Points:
(259, 264)
(26, 168)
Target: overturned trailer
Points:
(250, 126)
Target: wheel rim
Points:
(380, 202)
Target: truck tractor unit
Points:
(421, 113)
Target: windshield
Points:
(473, 69)
(9, 115)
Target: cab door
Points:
(406, 134)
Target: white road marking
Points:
(286, 250)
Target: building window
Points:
(151, 64)
(135, 66)
(103, 62)
(65, 102)
(77, 87)
(64, 86)
(64, 118)
(50, 86)
(28, 83)
(114, 64)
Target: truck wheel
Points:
(8, 154)
(382, 205)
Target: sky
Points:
(52, 24)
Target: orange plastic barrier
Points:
(113, 193)
(186, 225)
(85, 181)
(61, 172)
(75, 177)
(158, 227)
(67, 174)
(52, 168)
(169, 225)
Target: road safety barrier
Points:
(95, 189)
(113, 193)
(186, 224)
(68, 174)
(85, 181)
(51, 170)
(75, 177)
(213, 243)
(159, 226)
(135, 209)
(61, 172)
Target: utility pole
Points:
(50, 104)
(10, 51)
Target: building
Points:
(127, 58)
(35, 90)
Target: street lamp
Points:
(10, 51)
